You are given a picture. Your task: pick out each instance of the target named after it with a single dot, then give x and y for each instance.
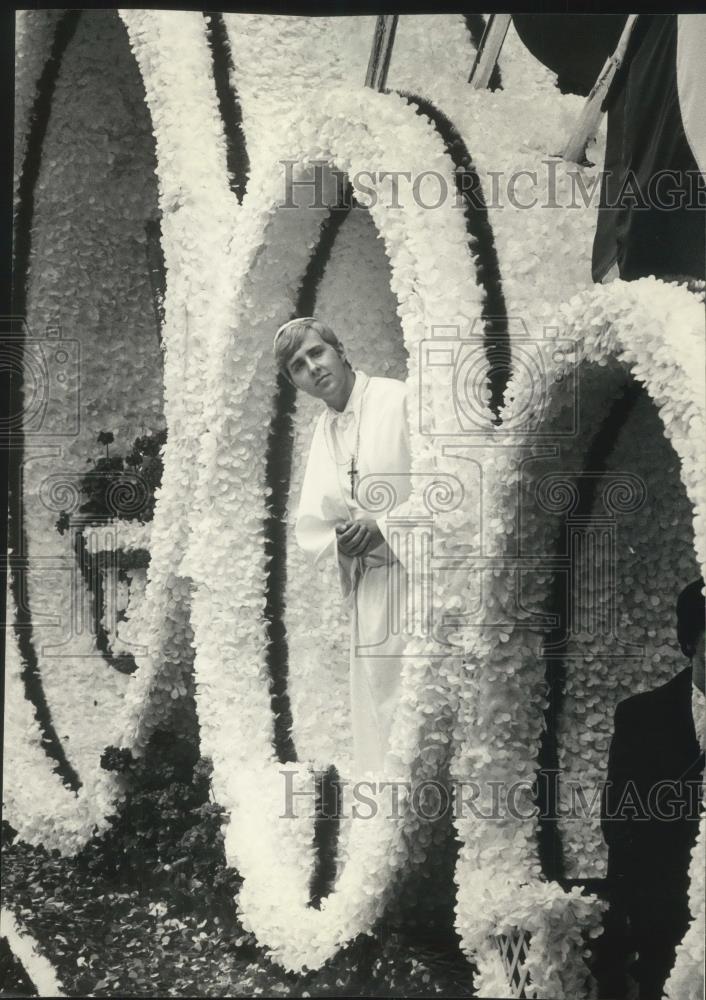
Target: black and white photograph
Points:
(353, 369)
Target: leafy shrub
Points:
(101, 484)
(167, 833)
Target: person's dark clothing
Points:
(649, 817)
(651, 217)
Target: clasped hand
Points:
(357, 538)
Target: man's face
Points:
(317, 368)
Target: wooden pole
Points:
(489, 50)
(589, 120)
(381, 51)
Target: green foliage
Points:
(116, 929)
(112, 940)
(14, 979)
(167, 833)
(117, 759)
(147, 908)
(109, 939)
(145, 460)
(104, 482)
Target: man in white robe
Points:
(362, 431)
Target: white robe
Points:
(370, 584)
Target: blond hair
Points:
(289, 337)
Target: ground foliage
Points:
(167, 833)
(14, 981)
(147, 908)
(107, 939)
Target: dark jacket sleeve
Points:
(622, 772)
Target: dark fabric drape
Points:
(651, 218)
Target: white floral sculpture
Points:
(232, 277)
(652, 332)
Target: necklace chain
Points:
(354, 457)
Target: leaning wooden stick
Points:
(489, 50)
(587, 125)
(381, 51)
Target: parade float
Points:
(186, 184)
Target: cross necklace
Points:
(353, 471)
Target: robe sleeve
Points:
(400, 463)
(318, 514)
